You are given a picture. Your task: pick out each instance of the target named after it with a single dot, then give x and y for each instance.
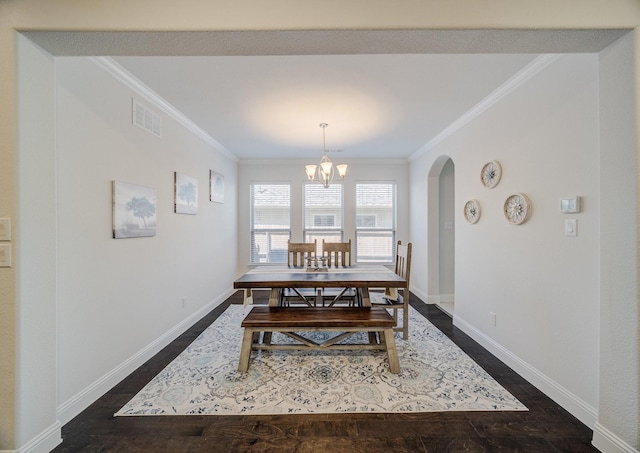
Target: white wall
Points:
(293, 172)
(542, 285)
(120, 300)
(35, 249)
(619, 311)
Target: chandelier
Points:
(325, 172)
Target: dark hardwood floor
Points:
(545, 428)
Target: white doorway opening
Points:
(441, 234)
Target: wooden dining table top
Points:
(352, 277)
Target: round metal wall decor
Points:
(491, 174)
(517, 208)
(472, 211)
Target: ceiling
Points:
(383, 94)
(376, 106)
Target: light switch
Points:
(5, 229)
(5, 255)
(571, 227)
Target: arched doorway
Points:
(441, 233)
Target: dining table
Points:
(360, 277)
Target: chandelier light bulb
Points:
(342, 170)
(311, 171)
(325, 171)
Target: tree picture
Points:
(141, 207)
(134, 210)
(186, 194)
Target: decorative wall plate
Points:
(491, 174)
(472, 211)
(517, 208)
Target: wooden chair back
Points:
(403, 261)
(298, 252)
(337, 252)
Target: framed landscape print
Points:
(134, 210)
(216, 187)
(186, 194)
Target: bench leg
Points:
(392, 353)
(245, 350)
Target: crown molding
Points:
(519, 79)
(124, 76)
(302, 162)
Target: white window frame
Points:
(269, 254)
(387, 233)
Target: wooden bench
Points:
(289, 320)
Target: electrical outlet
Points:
(492, 318)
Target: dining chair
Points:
(298, 252)
(338, 254)
(297, 255)
(392, 298)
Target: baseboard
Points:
(607, 442)
(447, 298)
(424, 296)
(584, 412)
(420, 294)
(44, 442)
(83, 399)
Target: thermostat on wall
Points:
(570, 205)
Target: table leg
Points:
(274, 297)
(366, 301)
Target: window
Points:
(323, 213)
(320, 221)
(365, 221)
(270, 222)
(375, 222)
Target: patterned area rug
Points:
(435, 376)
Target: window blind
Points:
(375, 222)
(270, 222)
(323, 213)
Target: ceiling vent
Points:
(147, 119)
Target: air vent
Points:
(147, 119)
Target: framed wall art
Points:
(216, 187)
(490, 174)
(134, 210)
(186, 194)
(517, 208)
(472, 211)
